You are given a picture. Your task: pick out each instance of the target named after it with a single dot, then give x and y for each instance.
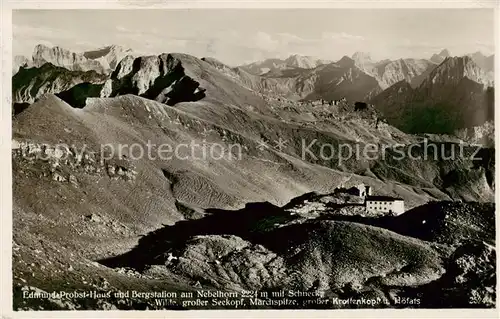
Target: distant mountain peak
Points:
(444, 53)
(276, 65)
(441, 56)
(304, 61)
(477, 53)
(345, 61)
(453, 69)
(361, 56)
(20, 61)
(102, 60)
(483, 61)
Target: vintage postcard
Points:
(213, 157)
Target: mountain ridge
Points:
(465, 89)
(102, 60)
(293, 61)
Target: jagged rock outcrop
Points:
(453, 70)
(389, 72)
(109, 56)
(363, 61)
(58, 56)
(231, 263)
(456, 94)
(276, 65)
(461, 83)
(482, 134)
(474, 267)
(356, 78)
(262, 67)
(341, 79)
(330, 81)
(30, 84)
(485, 62)
(103, 60)
(268, 85)
(63, 163)
(124, 68)
(440, 57)
(20, 61)
(73, 76)
(304, 62)
(411, 70)
(327, 81)
(392, 101)
(161, 78)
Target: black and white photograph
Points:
(252, 158)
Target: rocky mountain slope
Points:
(357, 78)
(365, 78)
(109, 56)
(329, 81)
(64, 58)
(19, 62)
(485, 62)
(273, 65)
(213, 209)
(389, 72)
(103, 60)
(410, 70)
(28, 85)
(483, 134)
(342, 79)
(307, 80)
(438, 58)
(456, 94)
(304, 62)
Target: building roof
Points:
(382, 198)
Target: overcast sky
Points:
(241, 36)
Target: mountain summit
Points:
(103, 60)
(362, 57)
(292, 62)
(485, 62)
(438, 58)
(304, 62)
(456, 94)
(64, 58)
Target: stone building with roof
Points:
(384, 205)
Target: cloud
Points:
(122, 28)
(22, 31)
(237, 48)
(26, 37)
(341, 36)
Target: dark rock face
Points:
(28, 85)
(456, 94)
(185, 90)
(359, 106)
(19, 107)
(78, 94)
(161, 78)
